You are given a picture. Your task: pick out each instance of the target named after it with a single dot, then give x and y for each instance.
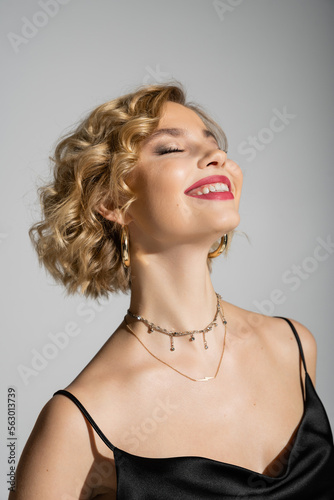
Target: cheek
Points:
(237, 176)
(164, 184)
(235, 171)
(159, 198)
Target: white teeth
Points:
(218, 187)
(223, 187)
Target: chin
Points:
(227, 224)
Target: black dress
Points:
(308, 473)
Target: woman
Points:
(191, 397)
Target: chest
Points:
(246, 424)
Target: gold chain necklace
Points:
(205, 379)
(171, 333)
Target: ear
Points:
(115, 215)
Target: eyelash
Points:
(175, 150)
(169, 150)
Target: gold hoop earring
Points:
(125, 251)
(221, 247)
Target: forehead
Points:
(176, 115)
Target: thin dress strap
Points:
(88, 417)
(298, 340)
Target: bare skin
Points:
(247, 416)
(123, 388)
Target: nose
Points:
(216, 158)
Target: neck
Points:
(173, 290)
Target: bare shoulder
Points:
(119, 387)
(309, 346)
(57, 451)
(308, 342)
(63, 445)
(276, 333)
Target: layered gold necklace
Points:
(152, 327)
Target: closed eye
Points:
(164, 151)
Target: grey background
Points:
(241, 61)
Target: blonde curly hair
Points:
(79, 247)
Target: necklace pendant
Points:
(205, 379)
(151, 327)
(205, 342)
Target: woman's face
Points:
(187, 190)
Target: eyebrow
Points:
(177, 132)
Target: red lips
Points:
(210, 180)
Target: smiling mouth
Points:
(211, 188)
